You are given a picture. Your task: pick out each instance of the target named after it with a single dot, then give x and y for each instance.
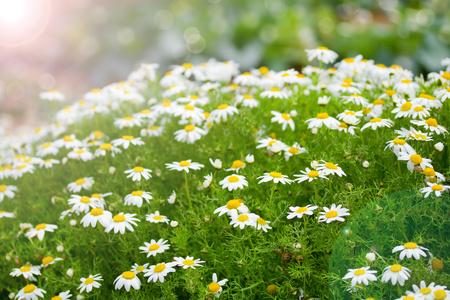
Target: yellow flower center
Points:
(153, 127)
(96, 212)
(56, 298)
(429, 172)
(243, 218)
(128, 275)
(89, 281)
(359, 272)
(233, 178)
(46, 145)
(137, 193)
(119, 218)
(140, 268)
(153, 247)
(248, 97)
(188, 262)
(213, 287)
(127, 137)
(343, 125)
(187, 66)
(375, 120)
(332, 214)
(391, 92)
(41, 226)
(418, 108)
(437, 187)
(138, 169)
(159, 268)
(331, 166)
(261, 221)
(47, 260)
(2, 188)
(276, 174)
(29, 288)
(85, 200)
(406, 81)
(406, 106)
(286, 117)
(396, 268)
(158, 218)
(246, 74)
(322, 48)
(80, 181)
(440, 294)
(379, 102)
(313, 174)
(322, 116)
(188, 107)
(189, 128)
(233, 204)
(420, 137)
(399, 142)
(348, 80)
(416, 159)
(223, 106)
(349, 60)
(274, 89)
(381, 66)
(446, 75)
(106, 146)
(237, 164)
(425, 291)
(431, 122)
(146, 112)
(263, 70)
(185, 163)
(408, 298)
(293, 150)
(301, 210)
(346, 85)
(68, 138)
(25, 268)
(128, 118)
(21, 167)
(285, 75)
(410, 245)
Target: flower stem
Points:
(187, 190)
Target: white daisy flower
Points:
(107, 147)
(284, 119)
(398, 145)
(89, 283)
(403, 109)
(443, 94)
(47, 149)
(362, 275)
(441, 292)
(262, 224)
(247, 101)
(250, 158)
(139, 268)
(346, 127)
(217, 164)
(322, 54)
(153, 130)
(158, 272)
(207, 181)
(194, 100)
(274, 93)
(242, 220)
(246, 79)
(433, 176)
(309, 175)
(432, 125)
(334, 213)
(184, 165)
(427, 101)
(418, 112)
(30, 292)
(63, 296)
(138, 172)
(406, 86)
(7, 191)
(299, 211)
(414, 159)
(410, 249)
(82, 203)
(275, 177)
(189, 112)
(126, 140)
(396, 273)
(424, 290)
(435, 188)
(215, 287)
(154, 247)
(82, 183)
(40, 230)
(378, 122)
(68, 141)
(4, 214)
(136, 198)
(127, 279)
(355, 99)
(233, 182)
(188, 262)
(127, 122)
(156, 218)
(52, 96)
(172, 198)
(48, 163)
(232, 205)
(27, 271)
(222, 112)
(48, 260)
(99, 198)
(189, 134)
(121, 222)
(322, 119)
(97, 214)
(328, 168)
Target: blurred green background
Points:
(89, 44)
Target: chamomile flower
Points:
(322, 119)
(68, 141)
(396, 273)
(127, 279)
(322, 54)
(247, 101)
(156, 218)
(409, 250)
(309, 175)
(433, 176)
(274, 93)
(355, 99)
(406, 86)
(414, 159)
(153, 131)
(418, 112)
(346, 127)
(189, 134)
(188, 262)
(328, 168)
(63, 296)
(378, 122)
(137, 197)
(154, 247)
(362, 275)
(189, 112)
(232, 205)
(82, 203)
(4, 214)
(443, 94)
(435, 188)
(184, 165)
(82, 183)
(208, 180)
(424, 290)
(97, 214)
(262, 224)
(40, 230)
(215, 287)
(242, 220)
(47, 149)
(441, 292)
(193, 100)
(217, 164)
(89, 283)
(136, 268)
(398, 145)
(158, 272)
(48, 260)
(48, 163)
(7, 191)
(121, 222)
(27, 271)
(107, 147)
(299, 211)
(334, 213)
(246, 79)
(52, 96)
(427, 101)
(233, 182)
(294, 150)
(403, 109)
(126, 140)
(275, 177)
(222, 112)
(284, 119)
(432, 125)
(138, 172)
(127, 122)
(99, 198)
(30, 292)
(410, 296)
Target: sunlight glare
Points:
(14, 11)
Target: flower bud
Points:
(73, 222)
(439, 146)
(173, 224)
(314, 131)
(112, 170)
(370, 256)
(64, 160)
(293, 113)
(250, 158)
(143, 132)
(297, 245)
(365, 164)
(70, 272)
(60, 248)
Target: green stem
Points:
(187, 190)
